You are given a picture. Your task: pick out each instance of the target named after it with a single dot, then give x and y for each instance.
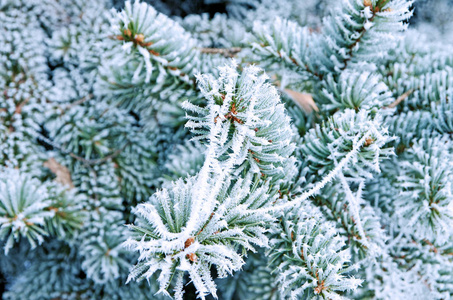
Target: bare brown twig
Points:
(98, 160)
(400, 99)
(227, 52)
(78, 102)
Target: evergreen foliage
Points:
(278, 150)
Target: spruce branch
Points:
(353, 90)
(287, 41)
(335, 138)
(204, 221)
(353, 183)
(423, 178)
(355, 31)
(328, 178)
(309, 258)
(335, 205)
(32, 210)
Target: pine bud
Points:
(368, 141)
(192, 257)
(189, 242)
(139, 38)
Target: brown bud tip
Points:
(256, 129)
(367, 3)
(189, 242)
(369, 141)
(127, 32)
(270, 141)
(192, 257)
(55, 209)
(140, 38)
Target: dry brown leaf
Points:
(62, 173)
(305, 101)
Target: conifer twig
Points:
(80, 101)
(99, 160)
(226, 52)
(324, 181)
(88, 162)
(400, 99)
